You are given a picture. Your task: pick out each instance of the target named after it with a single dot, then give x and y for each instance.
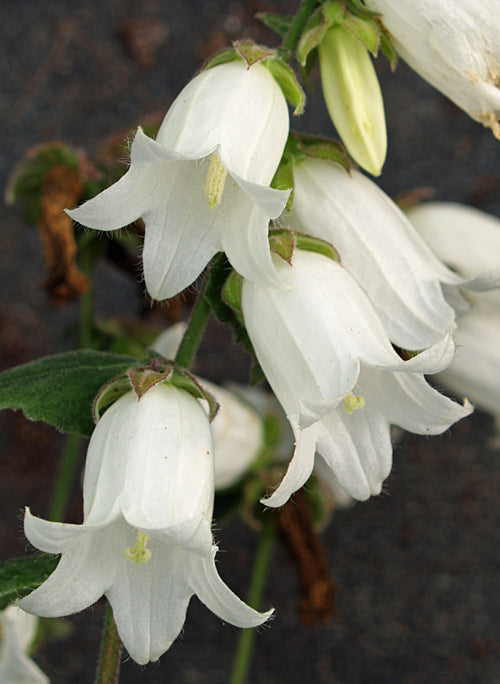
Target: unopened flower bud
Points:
(353, 97)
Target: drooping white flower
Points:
(353, 97)
(414, 294)
(203, 185)
(468, 240)
(237, 429)
(17, 631)
(145, 541)
(318, 342)
(455, 46)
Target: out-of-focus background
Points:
(416, 568)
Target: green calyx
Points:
(141, 379)
(351, 15)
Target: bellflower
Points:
(455, 46)
(414, 294)
(203, 185)
(469, 241)
(17, 631)
(237, 429)
(145, 541)
(316, 341)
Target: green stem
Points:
(108, 669)
(199, 318)
(246, 641)
(68, 465)
(292, 38)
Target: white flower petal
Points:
(241, 110)
(407, 400)
(162, 438)
(84, 572)
(475, 371)
(15, 666)
(379, 247)
(122, 203)
(149, 601)
(216, 595)
(299, 469)
(359, 462)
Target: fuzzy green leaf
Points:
(20, 576)
(61, 389)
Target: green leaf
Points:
(19, 576)
(60, 389)
(276, 22)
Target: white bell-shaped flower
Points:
(454, 45)
(17, 632)
(312, 337)
(414, 294)
(146, 541)
(327, 357)
(203, 185)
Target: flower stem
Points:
(246, 641)
(199, 318)
(108, 669)
(292, 38)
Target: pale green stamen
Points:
(139, 554)
(353, 403)
(216, 180)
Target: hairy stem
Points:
(108, 669)
(243, 657)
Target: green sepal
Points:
(60, 389)
(285, 76)
(20, 576)
(278, 23)
(327, 15)
(183, 379)
(108, 394)
(143, 378)
(251, 52)
(365, 29)
(308, 243)
(231, 292)
(388, 50)
(322, 148)
(282, 243)
(224, 57)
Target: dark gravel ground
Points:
(417, 568)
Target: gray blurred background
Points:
(417, 568)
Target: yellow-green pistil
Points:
(216, 180)
(139, 554)
(353, 403)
